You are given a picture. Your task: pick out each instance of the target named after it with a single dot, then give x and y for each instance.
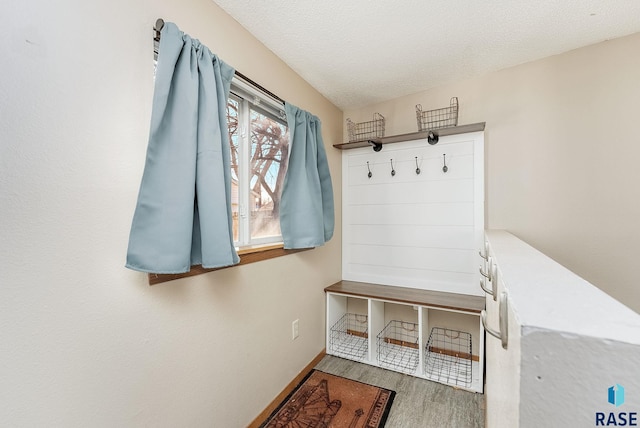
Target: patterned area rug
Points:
(323, 400)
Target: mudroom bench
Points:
(430, 334)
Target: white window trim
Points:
(246, 95)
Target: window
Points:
(259, 141)
(258, 162)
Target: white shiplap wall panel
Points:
(437, 214)
(453, 282)
(415, 230)
(460, 166)
(413, 236)
(413, 192)
(423, 258)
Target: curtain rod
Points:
(156, 39)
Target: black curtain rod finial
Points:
(160, 24)
(156, 37)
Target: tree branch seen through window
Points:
(258, 164)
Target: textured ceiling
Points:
(358, 52)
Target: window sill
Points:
(247, 255)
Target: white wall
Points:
(562, 149)
(84, 341)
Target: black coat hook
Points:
(393, 171)
(445, 168)
(417, 167)
(369, 174)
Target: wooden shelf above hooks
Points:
(420, 135)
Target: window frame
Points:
(251, 99)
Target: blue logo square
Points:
(616, 395)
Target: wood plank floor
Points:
(419, 403)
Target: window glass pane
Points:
(234, 140)
(269, 153)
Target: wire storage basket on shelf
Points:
(398, 347)
(439, 118)
(366, 130)
(448, 357)
(349, 338)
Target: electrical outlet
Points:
(294, 330)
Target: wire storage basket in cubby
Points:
(398, 347)
(448, 357)
(349, 338)
(366, 130)
(438, 118)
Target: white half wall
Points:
(568, 343)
